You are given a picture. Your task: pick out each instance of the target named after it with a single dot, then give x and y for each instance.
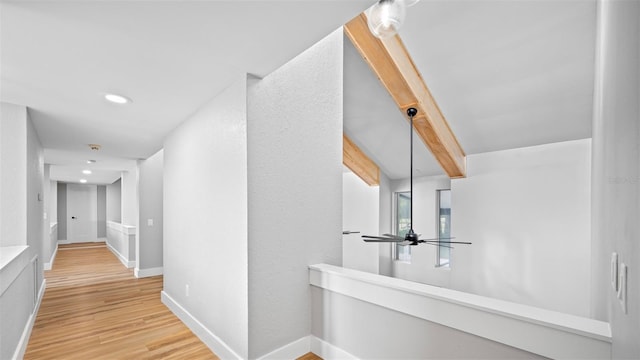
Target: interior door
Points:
(82, 213)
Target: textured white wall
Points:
(150, 236)
(360, 204)
(205, 216)
(295, 189)
(527, 212)
(14, 172)
(114, 201)
(616, 170)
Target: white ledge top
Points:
(9, 253)
(579, 325)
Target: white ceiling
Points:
(170, 57)
(506, 74)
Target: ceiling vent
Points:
(95, 147)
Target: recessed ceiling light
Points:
(118, 99)
(86, 172)
(90, 161)
(83, 180)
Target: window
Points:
(444, 226)
(403, 224)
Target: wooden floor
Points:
(94, 308)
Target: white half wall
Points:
(527, 213)
(295, 189)
(205, 217)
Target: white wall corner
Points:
(292, 350)
(142, 273)
(49, 265)
(26, 333)
(328, 351)
(219, 347)
(127, 263)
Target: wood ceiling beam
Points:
(392, 64)
(359, 163)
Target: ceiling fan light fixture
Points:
(386, 17)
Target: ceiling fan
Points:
(411, 238)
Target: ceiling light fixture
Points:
(86, 172)
(83, 180)
(386, 17)
(90, 161)
(117, 99)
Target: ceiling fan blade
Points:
(394, 236)
(381, 240)
(440, 245)
(445, 242)
(438, 239)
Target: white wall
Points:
(129, 192)
(422, 268)
(114, 201)
(48, 243)
(205, 216)
(295, 189)
(360, 204)
(385, 225)
(527, 213)
(102, 211)
(21, 213)
(62, 211)
(616, 170)
(14, 171)
(149, 243)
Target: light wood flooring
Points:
(94, 308)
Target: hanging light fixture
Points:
(386, 17)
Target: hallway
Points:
(94, 308)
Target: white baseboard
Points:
(49, 265)
(305, 345)
(290, 351)
(141, 273)
(26, 334)
(102, 239)
(328, 351)
(123, 260)
(222, 350)
(64, 242)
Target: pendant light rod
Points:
(411, 112)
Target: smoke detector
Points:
(95, 147)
